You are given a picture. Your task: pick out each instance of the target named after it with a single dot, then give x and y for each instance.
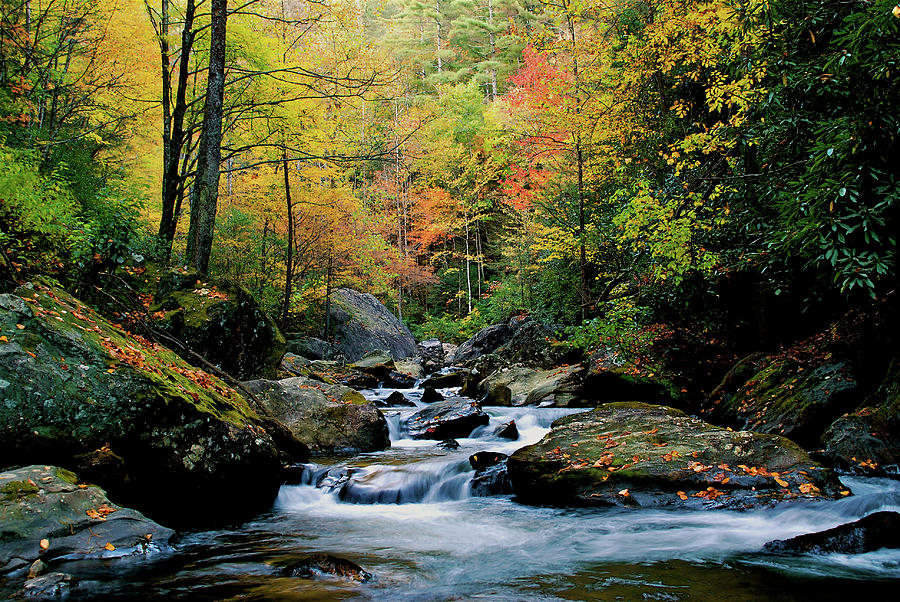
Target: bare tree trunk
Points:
(289, 251)
(327, 334)
(493, 42)
(468, 265)
(206, 193)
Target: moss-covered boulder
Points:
(785, 396)
(45, 513)
(449, 419)
(867, 440)
(562, 387)
(158, 434)
(636, 454)
(328, 418)
(363, 324)
(611, 376)
(221, 321)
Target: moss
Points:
(67, 475)
(15, 490)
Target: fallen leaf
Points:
(624, 493)
(682, 495)
(20, 326)
(45, 543)
(3, 339)
(110, 547)
(782, 482)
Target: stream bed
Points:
(442, 543)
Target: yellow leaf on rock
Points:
(109, 546)
(781, 482)
(45, 543)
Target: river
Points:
(441, 543)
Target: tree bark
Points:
(206, 189)
(289, 251)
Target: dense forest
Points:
(610, 166)
(667, 211)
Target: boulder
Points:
(450, 444)
(411, 368)
(537, 345)
(507, 430)
(398, 400)
(130, 415)
(430, 395)
(377, 363)
(398, 380)
(326, 565)
(362, 324)
(486, 459)
(333, 373)
(221, 321)
(611, 377)
(52, 586)
(309, 347)
(432, 353)
(449, 419)
(787, 397)
(486, 340)
(327, 418)
(637, 454)
(873, 532)
(520, 386)
(294, 365)
(45, 514)
(444, 381)
(491, 476)
(867, 441)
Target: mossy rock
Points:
(787, 397)
(76, 520)
(126, 414)
(329, 418)
(221, 321)
(642, 455)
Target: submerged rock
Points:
(873, 532)
(507, 430)
(326, 565)
(451, 444)
(362, 324)
(491, 475)
(327, 418)
(45, 513)
(221, 321)
(449, 419)
(636, 454)
(52, 586)
(129, 415)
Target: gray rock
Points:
(873, 532)
(45, 513)
(310, 347)
(519, 386)
(449, 419)
(363, 324)
(327, 418)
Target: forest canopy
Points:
(611, 166)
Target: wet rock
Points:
(52, 586)
(451, 444)
(636, 454)
(45, 513)
(787, 397)
(486, 459)
(221, 321)
(873, 532)
(398, 380)
(444, 381)
(398, 400)
(362, 324)
(518, 386)
(130, 416)
(507, 430)
(430, 395)
(333, 373)
(493, 480)
(310, 347)
(326, 565)
(327, 418)
(449, 419)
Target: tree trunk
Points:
(327, 334)
(289, 251)
(206, 190)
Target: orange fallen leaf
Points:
(109, 547)
(20, 326)
(682, 495)
(782, 482)
(3, 339)
(45, 543)
(624, 493)
(845, 493)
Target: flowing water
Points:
(407, 515)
